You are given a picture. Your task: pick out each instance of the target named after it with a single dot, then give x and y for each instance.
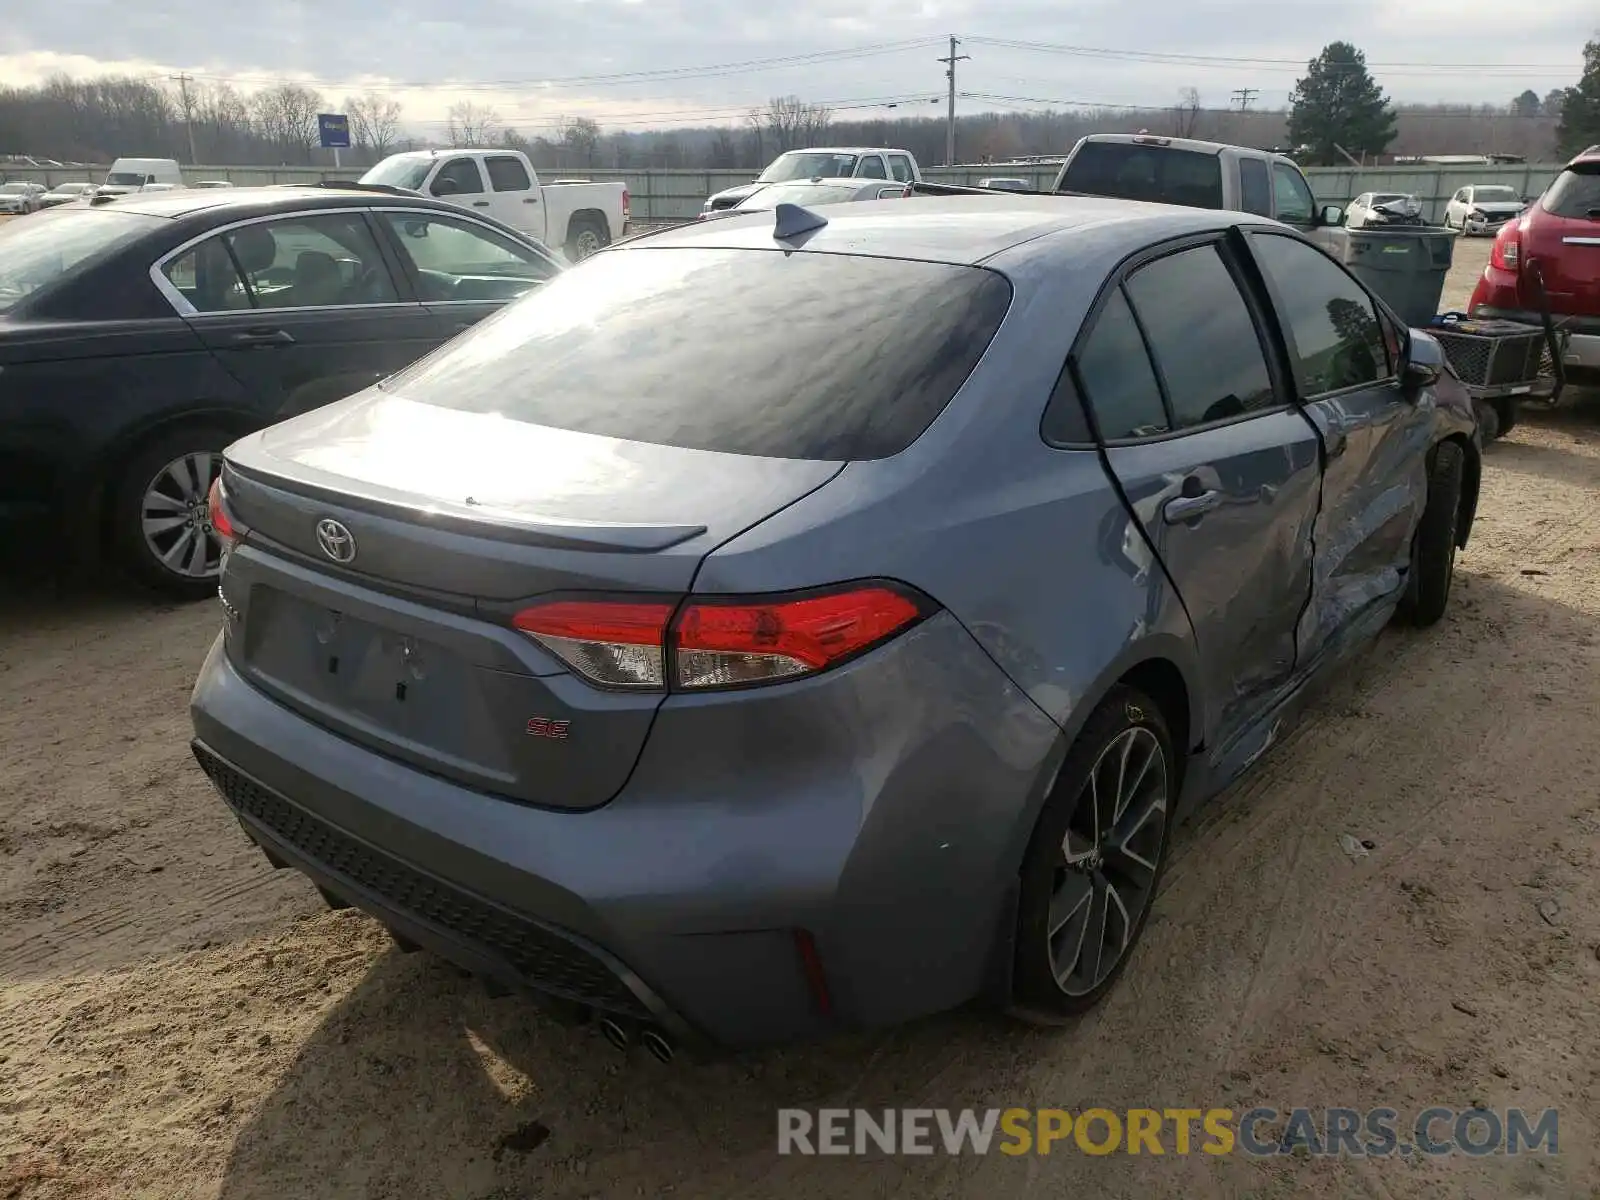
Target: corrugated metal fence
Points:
(677, 195)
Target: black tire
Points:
(1488, 417)
(1433, 550)
(126, 512)
(1126, 716)
(1509, 412)
(580, 246)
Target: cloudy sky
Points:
(648, 63)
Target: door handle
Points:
(530, 199)
(1189, 508)
(480, 204)
(263, 338)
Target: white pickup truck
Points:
(575, 216)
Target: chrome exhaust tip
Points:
(656, 1042)
(614, 1033)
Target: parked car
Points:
(1006, 183)
(808, 193)
(824, 162)
(578, 216)
(1379, 209)
(1136, 166)
(136, 174)
(20, 197)
(1483, 209)
(66, 193)
(140, 337)
(751, 645)
(1558, 239)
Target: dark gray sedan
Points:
(811, 620)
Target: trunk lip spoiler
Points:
(474, 519)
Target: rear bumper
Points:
(890, 830)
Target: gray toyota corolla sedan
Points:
(790, 623)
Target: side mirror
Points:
(1421, 364)
(1331, 214)
(445, 187)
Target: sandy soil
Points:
(178, 1020)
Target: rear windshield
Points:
(817, 356)
(51, 245)
(1576, 192)
(1131, 171)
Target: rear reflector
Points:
(222, 525)
(613, 643)
(718, 643)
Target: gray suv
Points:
(784, 624)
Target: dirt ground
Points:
(178, 1020)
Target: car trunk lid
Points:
(401, 639)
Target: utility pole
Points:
(183, 80)
(950, 126)
(1244, 96)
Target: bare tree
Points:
(1188, 111)
(286, 116)
(792, 123)
(472, 124)
(755, 136)
(375, 121)
(723, 153)
(581, 137)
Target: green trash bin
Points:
(1406, 267)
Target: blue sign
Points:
(335, 131)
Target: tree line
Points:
(1338, 114)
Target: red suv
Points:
(1561, 233)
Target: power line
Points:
(1244, 96)
(950, 123)
(1119, 106)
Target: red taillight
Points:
(222, 525)
(1507, 252)
(615, 643)
(627, 204)
(720, 644)
(717, 643)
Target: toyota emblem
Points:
(337, 542)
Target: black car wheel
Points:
(586, 237)
(1092, 866)
(1433, 551)
(160, 515)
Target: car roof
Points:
(1591, 155)
(847, 150)
(1178, 143)
(255, 201)
(954, 229)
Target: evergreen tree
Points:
(1580, 111)
(1339, 104)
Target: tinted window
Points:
(872, 168)
(1118, 378)
(458, 177)
(457, 260)
(1138, 172)
(311, 262)
(1255, 192)
(822, 356)
(1575, 193)
(900, 167)
(1293, 195)
(1338, 342)
(1202, 337)
(208, 279)
(507, 174)
(49, 246)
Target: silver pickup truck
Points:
(1165, 170)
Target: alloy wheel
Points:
(1106, 873)
(175, 516)
(587, 242)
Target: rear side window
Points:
(1575, 193)
(1202, 336)
(1255, 192)
(49, 247)
(1338, 342)
(507, 174)
(872, 167)
(1133, 171)
(1118, 380)
(900, 167)
(816, 356)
